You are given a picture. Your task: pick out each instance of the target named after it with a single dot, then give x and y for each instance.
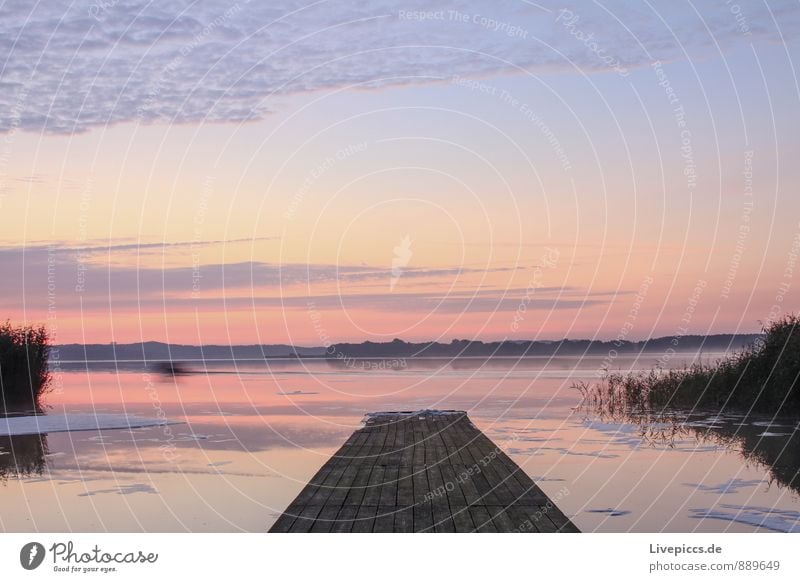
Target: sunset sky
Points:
(295, 172)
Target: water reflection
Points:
(253, 434)
(774, 444)
(771, 443)
(23, 455)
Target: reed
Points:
(761, 378)
(24, 375)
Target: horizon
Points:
(442, 342)
(504, 183)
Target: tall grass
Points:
(763, 378)
(24, 377)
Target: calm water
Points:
(251, 435)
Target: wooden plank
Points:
(308, 514)
(537, 515)
(324, 521)
(519, 520)
(407, 451)
(339, 492)
(418, 459)
(398, 442)
(365, 520)
(345, 519)
(454, 490)
(483, 521)
(356, 493)
(442, 518)
(462, 478)
(389, 456)
(423, 517)
(346, 455)
(525, 491)
(405, 486)
(372, 494)
(388, 497)
(486, 490)
(516, 486)
(404, 520)
(453, 486)
(501, 520)
(462, 520)
(305, 519)
(284, 523)
(453, 447)
(568, 527)
(384, 519)
(562, 523)
(309, 490)
(510, 486)
(421, 472)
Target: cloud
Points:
(93, 248)
(96, 269)
(32, 179)
(70, 279)
(70, 66)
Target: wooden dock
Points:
(425, 471)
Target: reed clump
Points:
(761, 378)
(24, 375)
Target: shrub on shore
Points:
(763, 378)
(24, 376)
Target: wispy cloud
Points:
(32, 179)
(62, 276)
(382, 302)
(99, 247)
(71, 66)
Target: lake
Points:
(247, 436)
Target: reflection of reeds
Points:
(22, 455)
(763, 377)
(778, 453)
(24, 377)
(660, 429)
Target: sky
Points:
(313, 172)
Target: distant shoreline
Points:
(158, 351)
